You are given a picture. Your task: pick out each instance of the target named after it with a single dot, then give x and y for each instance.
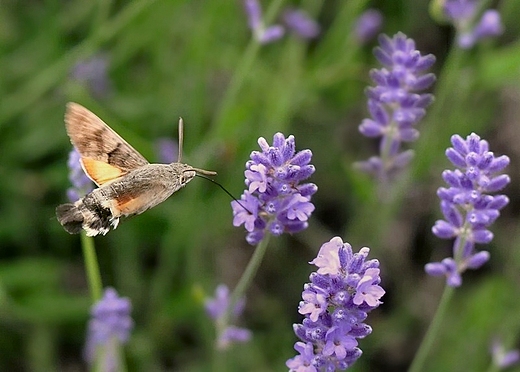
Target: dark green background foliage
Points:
(182, 58)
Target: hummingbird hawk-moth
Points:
(127, 183)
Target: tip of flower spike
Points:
(276, 202)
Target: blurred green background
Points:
(195, 59)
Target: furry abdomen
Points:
(87, 214)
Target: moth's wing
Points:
(137, 200)
(105, 156)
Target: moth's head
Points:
(188, 173)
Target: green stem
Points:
(434, 328)
(245, 281)
(91, 267)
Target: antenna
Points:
(181, 139)
(223, 188)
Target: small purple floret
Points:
(502, 358)
(468, 206)
(301, 23)
(263, 34)
(274, 201)
(463, 14)
(368, 25)
(343, 290)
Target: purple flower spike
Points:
(109, 327)
(394, 103)
(368, 25)
(274, 201)
(468, 206)
(335, 304)
(263, 34)
(81, 184)
(216, 308)
(301, 23)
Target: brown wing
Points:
(137, 200)
(105, 156)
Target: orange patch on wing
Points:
(99, 171)
(128, 205)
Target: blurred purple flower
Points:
(502, 358)
(167, 150)
(490, 25)
(460, 10)
(93, 72)
(109, 327)
(81, 184)
(394, 105)
(263, 34)
(301, 23)
(463, 14)
(468, 206)
(216, 308)
(342, 292)
(368, 25)
(276, 203)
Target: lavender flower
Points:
(81, 184)
(342, 292)
(301, 23)
(93, 72)
(368, 25)
(463, 15)
(502, 358)
(468, 206)
(264, 35)
(393, 103)
(275, 202)
(108, 328)
(216, 309)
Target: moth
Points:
(127, 183)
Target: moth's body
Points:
(128, 184)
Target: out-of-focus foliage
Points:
(167, 59)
